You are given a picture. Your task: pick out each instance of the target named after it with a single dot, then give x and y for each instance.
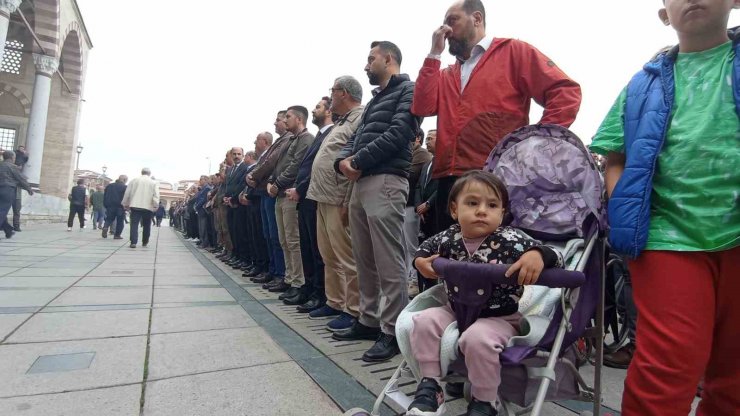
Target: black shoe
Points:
(279, 287)
(117, 237)
(298, 299)
(17, 229)
(291, 292)
(273, 282)
(357, 331)
(385, 348)
(105, 233)
(238, 264)
(252, 272)
(262, 278)
(479, 408)
(144, 244)
(428, 399)
(9, 234)
(455, 390)
(310, 305)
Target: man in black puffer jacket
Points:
(378, 159)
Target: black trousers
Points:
(242, 247)
(7, 196)
(116, 214)
(442, 218)
(143, 216)
(17, 212)
(78, 210)
(313, 264)
(257, 242)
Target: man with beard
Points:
(311, 295)
(378, 158)
(257, 179)
(286, 212)
(332, 192)
(499, 78)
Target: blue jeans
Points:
(99, 217)
(269, 227)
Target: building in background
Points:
(41, 88)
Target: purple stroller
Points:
(556, 195)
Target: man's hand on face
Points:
(345, 167)
(439, 38)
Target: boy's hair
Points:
(488, 179)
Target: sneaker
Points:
(620, 358)
(340, 323)
(385, 348)
(132, 245)
(105, 233)
(69, 228)
(325, 311)
(479, 408)
(429, 400)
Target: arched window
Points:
(7, 138)
(12, 57)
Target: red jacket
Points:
(495, 102)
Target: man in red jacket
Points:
(485, 95)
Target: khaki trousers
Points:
(222, 227)
(340, 269)
(378, 243)
(286, 214)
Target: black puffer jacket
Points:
(382, 142)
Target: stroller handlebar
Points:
(554, 278)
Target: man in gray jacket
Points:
(286, 212)
(378, 158)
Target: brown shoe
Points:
(620, 358)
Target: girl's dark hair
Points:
(488, 179)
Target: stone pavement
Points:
(89, 326)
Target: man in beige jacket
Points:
(332, 192)
(142, 198)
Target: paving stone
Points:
(105, 266)
(82, 325)
(116, 401)
(122, 272)
(47, 271)
(117, 361)
(191, 295)
(184, 280)
(15, 298)
(5, 270)
(194, 352)
(9, 322)
(34, 281)
(115, 281)
(104, 296)
(33, 251)
(249, 391)
(199, 318)
(59, 363)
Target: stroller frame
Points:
(546, 373)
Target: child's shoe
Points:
(479, 408)
(429, 400)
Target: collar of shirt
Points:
(467, 66)
(325, 128)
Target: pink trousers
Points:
(481, 344)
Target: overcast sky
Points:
(171, 83)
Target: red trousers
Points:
(688, 327)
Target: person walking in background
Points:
(78, 200)
(21, 158)
(10, 179)
(114, 212)
(141, 198)
(160, 213)
(97, 202)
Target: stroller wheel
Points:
(356, 412)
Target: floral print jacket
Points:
(504, 246)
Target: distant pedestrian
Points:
(78, 200)
(160, 214)
(142, 198)
(10, 179)
(114, 212)
(21, 158)
(97, 202)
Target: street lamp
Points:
(79, 150)
(105, 168)
(209, 164)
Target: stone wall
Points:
(43, 209)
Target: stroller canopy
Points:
(552, 180)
